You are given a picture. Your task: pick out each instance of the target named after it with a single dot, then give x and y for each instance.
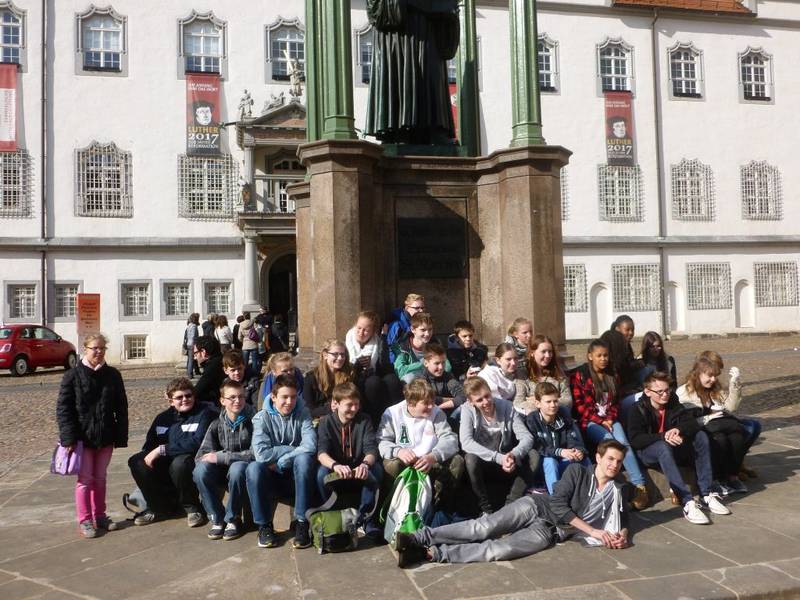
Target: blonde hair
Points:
(413, 298)
(417, 391)
(517, 323)
(279, 357)
(93, 337)
(372, 317)
(326, 378)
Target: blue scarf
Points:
(240, 418)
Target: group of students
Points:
(516, 428)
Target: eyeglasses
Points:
(336, 354)
(182, 397)
(239, 397)
(96, 348)
(417, 307)
(659, 392)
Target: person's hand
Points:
(363, 361)
(608, 539)
(407, 456)
(608, 425)
(619, 540)
(424, 463)
(211, 457)
(343, 471)
(509, 463)
(361, 471)
(673, 437)
(151, 456)
(735, 374)
(572, 454)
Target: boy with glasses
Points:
(163, 469)
(235, 370)
(401, 321)
(664, 434)
(221, 462)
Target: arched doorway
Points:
(282, 288)
(744, 304)
(676, 307)
(600, 307)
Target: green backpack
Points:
(334, 527)
(412, 499)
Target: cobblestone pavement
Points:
(754, 553)
(770, 370)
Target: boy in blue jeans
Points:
(348, 447)
(222, 460)
(284, 447)
(556, 437)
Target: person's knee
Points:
(473, 463)
(201, 472)
(253, 472)
(237, 471)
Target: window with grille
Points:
(285, 43)
(620, 193)
(177, 299)
(101, 41)
(755, 75)
(135, 347)
(547, 62)
(776, 283)
(615, 66)
(692, 191)
(207, 187)
(202, 43)
(564, 178)
(762, 191)
(103, 174)
(575, 288)
(135, 299)
(66, 298)
(12, 34)
(218, 297)
(15, 184)
(708, 285)
(364, 38)
(636, 287)
(685, 71)
(21, 301)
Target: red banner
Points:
(620, 147)
(454, 105)
(88, 306)
(202, 114)
(8, 107)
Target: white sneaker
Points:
(715, 505)
(693, 514)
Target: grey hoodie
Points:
(230, 445)
(475, 439)
(278, 439)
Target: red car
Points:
(23, 347)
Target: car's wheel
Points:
(71, 361)
(20, 366)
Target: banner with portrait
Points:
(620, 145)
(8, 107)
(202, 114)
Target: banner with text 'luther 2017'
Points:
(8, 107)
(202, 114)
(620, 146)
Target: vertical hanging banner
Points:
(620, 147)
(88, 315)
(453, 88)
(202, 114)
(8, 107)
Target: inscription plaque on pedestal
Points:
(431, 248)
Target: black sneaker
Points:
(409, 551)
(216, 531)
(302, 539)
(267, 537)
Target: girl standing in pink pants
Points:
(93, 408)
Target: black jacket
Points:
(622, 362)
(207, 388)
(642, 426)
(180, 433)
(359, 439)
(461, 359)
(92, 407)
(317, 403)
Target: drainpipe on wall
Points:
(43, 216)
(662, 204)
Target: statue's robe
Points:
(409, 96)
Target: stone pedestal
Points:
(480, 238)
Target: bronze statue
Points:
(409, 98)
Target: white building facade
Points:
(699, 237)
